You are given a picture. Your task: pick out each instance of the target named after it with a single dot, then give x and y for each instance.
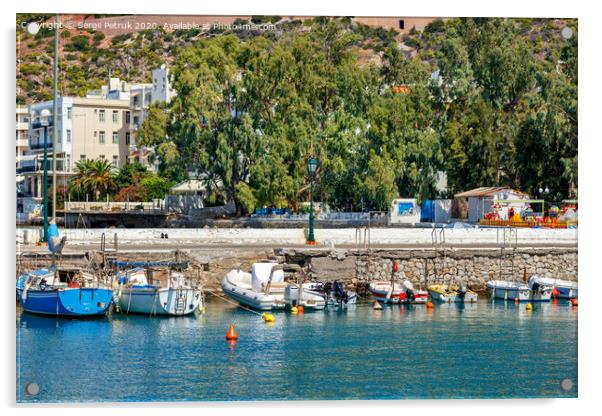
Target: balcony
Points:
(36, 124)
(40, 145)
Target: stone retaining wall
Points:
(472, 266)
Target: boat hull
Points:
(397, 296)
(522, 293)
(159, 301)
(66, 302)
(254, 300)
(452, 297)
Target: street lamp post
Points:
(45, 121)
(543, 193)
(312, 165)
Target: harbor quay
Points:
(472, 255)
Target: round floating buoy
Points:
(294, 310)
(300, 309)
(554, 293)
(429, 305)
(574, 302)
(395, 267)
(377, 305)
(529, 306)
(231, 335)
(268, 317)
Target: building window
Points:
(101, 157)
(127, 138)
(69, 113)
(101, 116)
(401, 24)
(135, 101)
(68, 136)
(136, 121)
(101, 137)
(82, 157)
(127, 117)
(115, 159)
(115, 138)
(115, 116)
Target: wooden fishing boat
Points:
(63, 293)
(153, 292)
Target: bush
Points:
(435, 26)
(80, 42)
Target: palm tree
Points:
(94, 177)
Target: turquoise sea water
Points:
(485, 350)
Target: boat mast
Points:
(55, 114)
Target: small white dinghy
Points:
(172, 295)
(562, 289)
(397, 292)
(502, 289)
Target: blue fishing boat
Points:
(64, 293)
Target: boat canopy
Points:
(129, 264)
(260, 273)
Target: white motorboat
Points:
(397, 292)
(156, 292)
(452, 294)
(562, 289)
(502, 289)
(540, 291)
(514, 290)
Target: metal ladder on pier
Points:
(440, 248)
(507, 239)
(363, 248)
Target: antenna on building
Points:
(109, 84)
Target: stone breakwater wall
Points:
(423, 267)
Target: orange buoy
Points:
(300, 309)
(231, 335)
(395, 267)
(554, 293)
(429, 305)
(574, 302)
(515, 300)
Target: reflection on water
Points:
(488, 349)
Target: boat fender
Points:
(300, 309)
(574, 302)
(268, 317)
(429, 305)
(294, 310)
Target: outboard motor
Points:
(339, 292)
(327, 288)
(462, 292)
(535, 287)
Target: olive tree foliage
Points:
(250, 112)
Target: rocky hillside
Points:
(86, 55)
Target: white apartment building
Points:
(22, 134)
(141, 97)
(88, 128)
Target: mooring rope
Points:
(232, 302)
